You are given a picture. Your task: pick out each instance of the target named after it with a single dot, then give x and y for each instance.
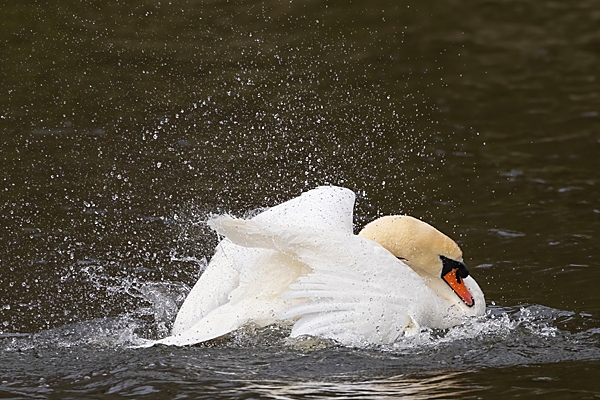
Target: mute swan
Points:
(300, 262)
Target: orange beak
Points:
(458, 285)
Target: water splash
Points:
(496, 324)
(152, 320)
(101, 333)
(504, 336)
(165, 298)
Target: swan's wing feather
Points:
(212, 290)
(326, 207)
(353, 281)
(209, 327)
(256, 298)
(376, 306)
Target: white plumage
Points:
(301, 262)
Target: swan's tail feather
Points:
(242, 232)
(210, 327)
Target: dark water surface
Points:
(123, 124)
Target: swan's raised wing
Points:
(212, 290)
(357, 291)
(326, 207)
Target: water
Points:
(96, 358)
(124, 125)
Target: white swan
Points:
(300, 262)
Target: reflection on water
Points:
(442, 385)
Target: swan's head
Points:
(423, 248)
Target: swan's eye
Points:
(451, 265)
(463, 271)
